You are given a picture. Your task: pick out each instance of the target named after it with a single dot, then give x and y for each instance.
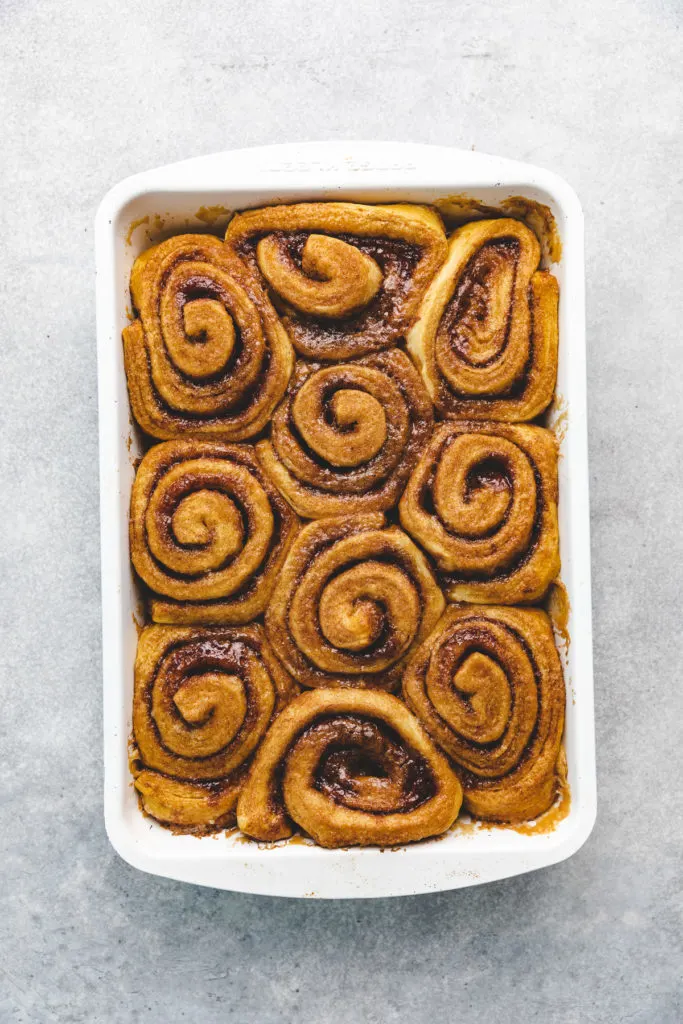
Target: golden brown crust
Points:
(486, 336)
(346, 437)
(351, 602)
(208, 532)
(203, 700)
(483, 502)
(353, 599)
(351, 768)
(488, 686)
(349, 277)
(207, 355)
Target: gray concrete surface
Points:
(91, 92)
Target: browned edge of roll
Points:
(207, 355)
(203, 700)
(346, 437)
(488, 686)
(354, 598)
(346, 277)
(483, 502)
(349, 767)
(209, 532)
(486, 334)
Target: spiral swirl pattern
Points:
(349, 767)
(207, 355)
(354, 598)
(348, 277)
(483, 502)
(346, 437)
(203, 700)
(486, 336)
(208, 532)
(488, 686)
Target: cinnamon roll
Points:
(350, 768)
(488, 686)
(486, 335)
(346, 437)
(348, 277)
(483, 502)
(203, 700)
(207, 355)
(208, 532)
(354, 598)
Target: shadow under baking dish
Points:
(199, 195)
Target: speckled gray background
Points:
(93, 91)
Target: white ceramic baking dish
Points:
(147, 207)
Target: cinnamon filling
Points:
(365, 766)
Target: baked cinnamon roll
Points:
(207, 355)
(208, 532)
(488, 686)
(346, 437)
(486, 335)
(348, 277)
(350, 768)
(354, 598)
(204, 698)
(483, 502)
